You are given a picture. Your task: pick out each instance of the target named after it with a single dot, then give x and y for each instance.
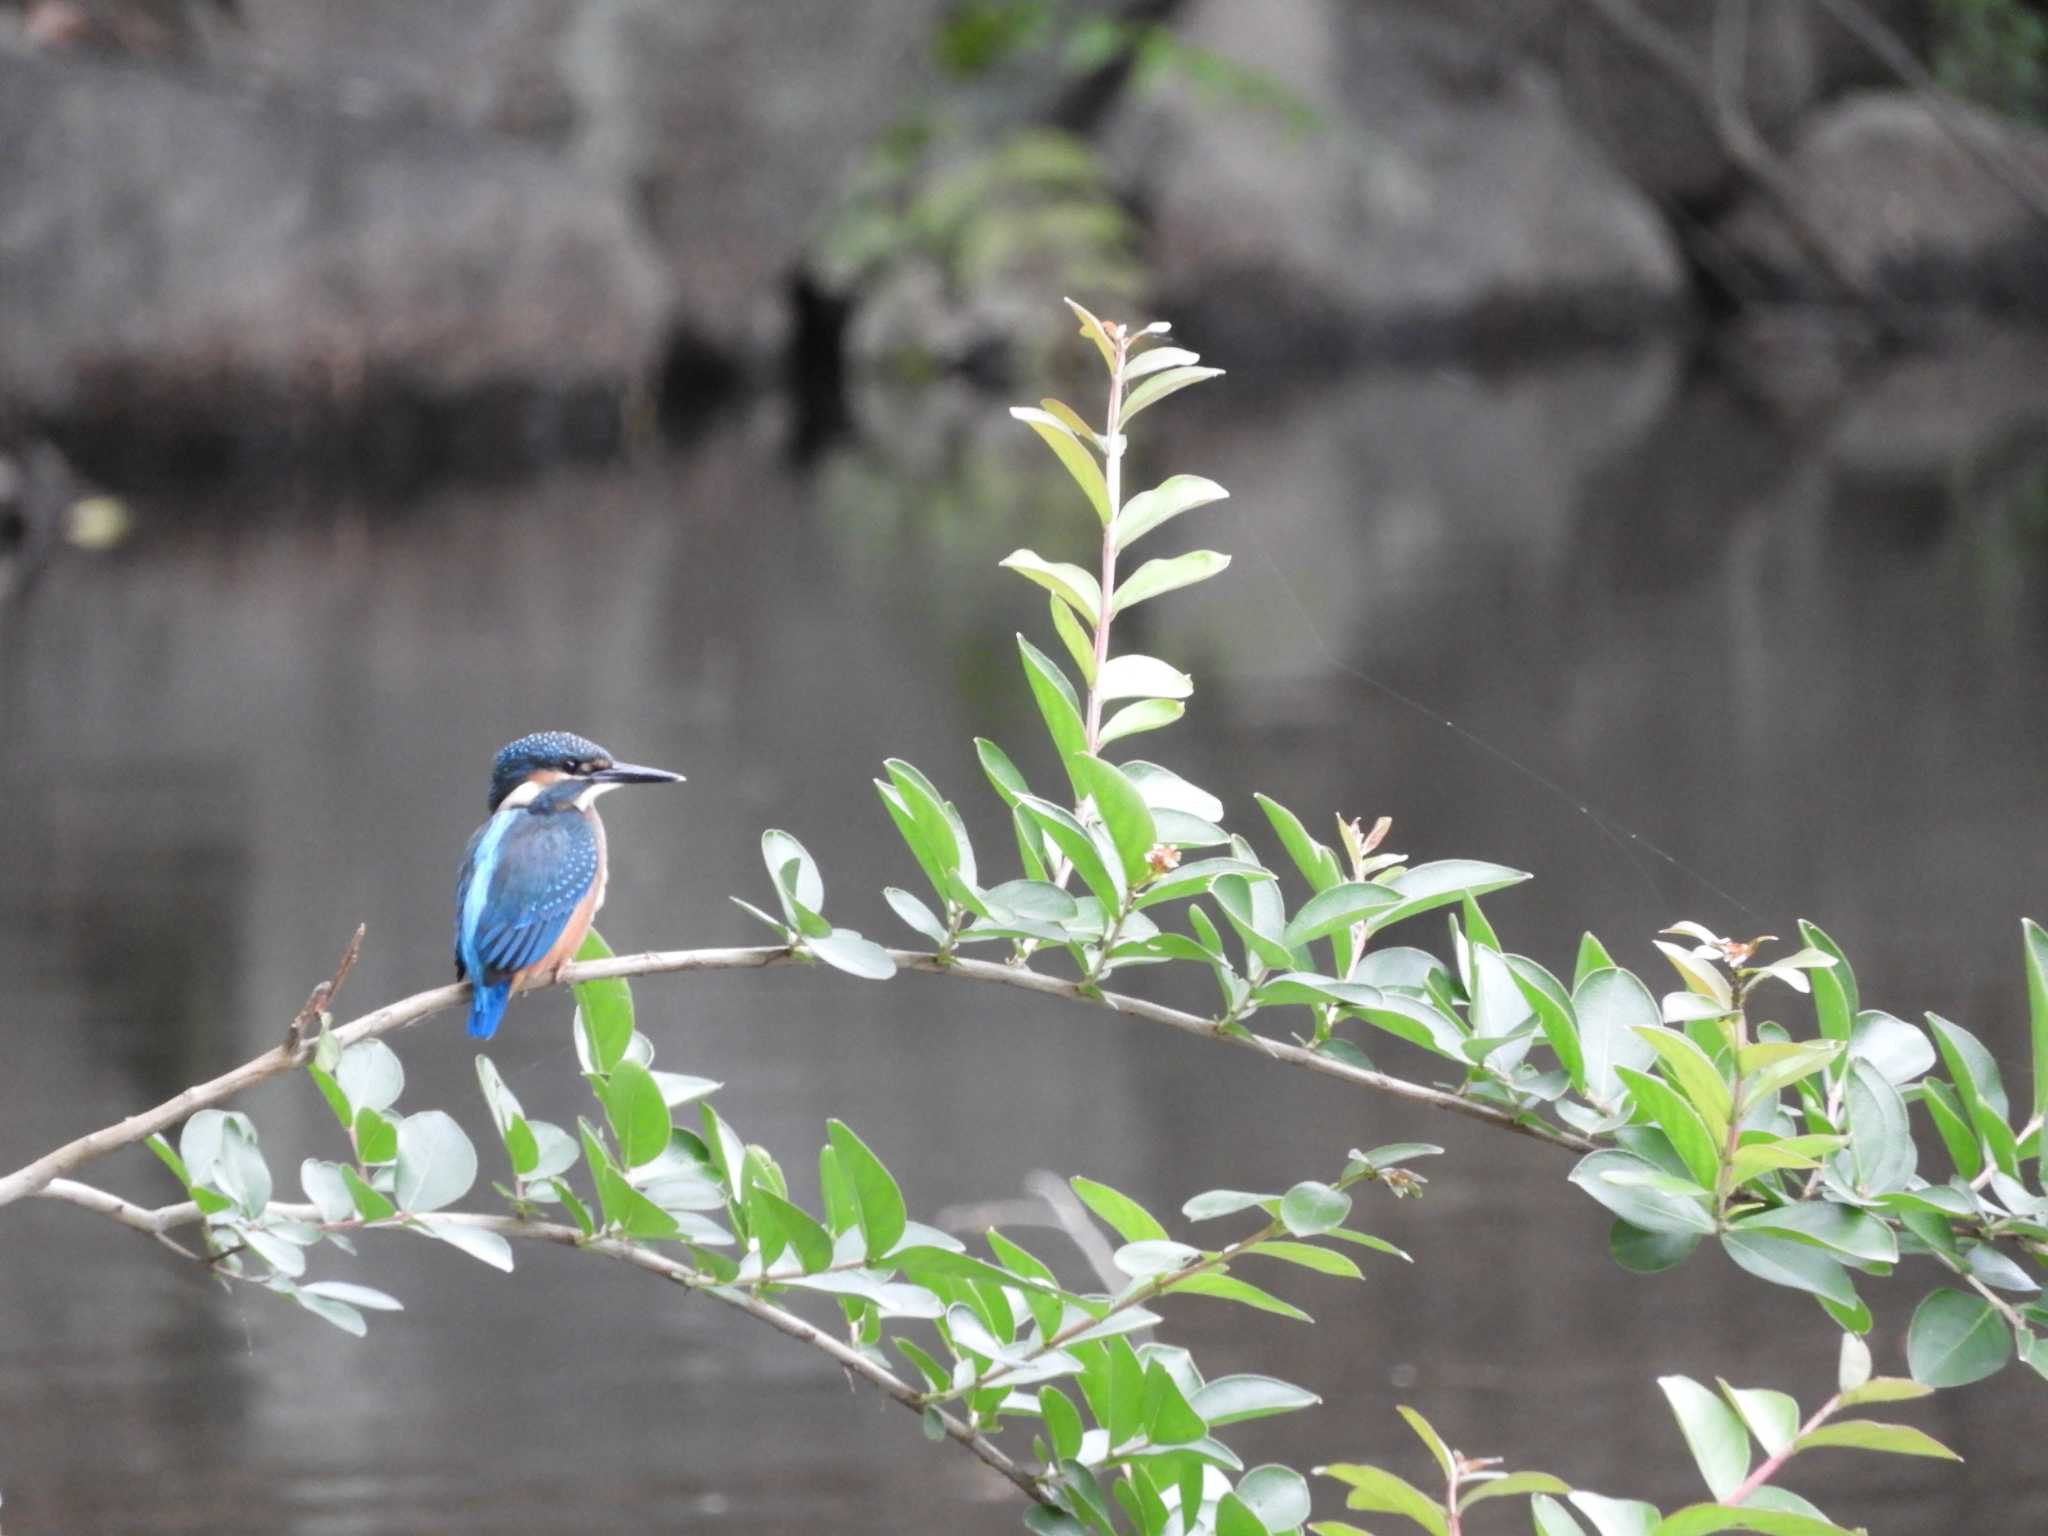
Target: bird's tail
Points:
(487, 1006)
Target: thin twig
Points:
(421, 1005)
(309, 1018)
(163, 1219)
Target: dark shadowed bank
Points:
(488, 233)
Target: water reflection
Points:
(1710, 665)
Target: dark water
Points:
(1805, 662)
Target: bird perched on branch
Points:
(534, 875)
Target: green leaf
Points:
(1277, 1495)
(1166, 1417)
(1973, 1069)
(1317, 864)
(1234, 1399)
(1708, 1519)
(1221, 1202)
(845, 950)
(1554, 1015)
(1853, 1233)
(1071, 452)
(1614, 1009)
(354, 1295)
(1616, 1517)
(1679, 1121)
(1145, 715)
(1853, 1372)
(1160, 385)
(328, 1310)
(1308, 1256)
(879, 1200)
(1883, 1389)
(1955, 1338)
(1957, 1134)
(1075, 637)
(376, 1137)
(1881, 1152)
(2034, 942)
(1230, 1288)
(330, 1090)
(1073, 420)
(1552, 1518)
(370, 1205)
(1141, 364)
(1092, 328)
(1159, 576)
(1426, 1433)
(1784, 1261)
(1379, 1491)
(1337, 907)
(1234, 1517)
(1893, 1046)
(1772, 1066)
(1696, 1076)
(1442, 883)
(938, 824)
(520, 1145)
(370, 1074)
(1132, 676)
(327, 1189)
(919, 917)
(1640, 1194)
(1128, 1219)
(1234, 895)
(811, 1243)
(1713, 1433)
(436, 1162)
(1649, 1253)
(1155, 1256)
(604, 1010)
(1165, 501)
(1062, 1422)
(1069, 583)
(480, 1244)
(638, 1114)
(1514, 1485)
(1870, 1435)
(1056, 699)
(1100, 875)
(1773, 1417)
(1311, 1208)
(1123, 812)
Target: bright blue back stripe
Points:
(474, 899)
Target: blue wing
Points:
(521, 881)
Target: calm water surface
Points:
(1701, 665)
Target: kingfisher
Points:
(534, 874)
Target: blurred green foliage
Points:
(1995, 52)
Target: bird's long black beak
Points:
(633, 773)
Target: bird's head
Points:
(551, 757)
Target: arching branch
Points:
(407, 1011)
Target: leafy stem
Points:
(1112, 475)
(1770, 1465)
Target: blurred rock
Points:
(166, 248)
(1789, 53)
(734, 130)
(1908, 208)
(1431, 189)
